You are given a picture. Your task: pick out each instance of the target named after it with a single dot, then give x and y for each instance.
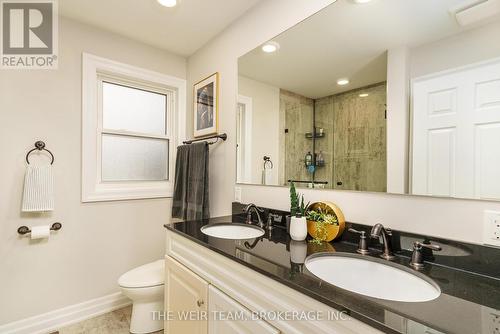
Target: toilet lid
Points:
(151, 274)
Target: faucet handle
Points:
(419, 245)
(357, 231)
(417, 258)
(270, 220)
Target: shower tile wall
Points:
(297, 113)
(324, 145)
(354, 145)
(359, 137)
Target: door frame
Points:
(247, 101)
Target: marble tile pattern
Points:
(354, 142)
(298, 118)
(359, 137)
(116, 322)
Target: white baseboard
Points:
(54, 320)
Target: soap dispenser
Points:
(308, 159)
(298, 227)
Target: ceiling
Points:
(182, 29)
(348, 40)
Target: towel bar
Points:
(222, 136)
(25, 229)
(314, 182)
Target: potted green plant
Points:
(322, 226)
(297, 205)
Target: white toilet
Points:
(145, 285)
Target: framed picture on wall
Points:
(206, 106)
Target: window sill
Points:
(127, 191)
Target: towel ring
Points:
(40, 146)
(268, 162)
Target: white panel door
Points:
(456, 133)
(228, 316)
(186, 297)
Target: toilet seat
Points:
(148, 275)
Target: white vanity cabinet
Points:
(186, 294)
(229, 317)
(204, 308)
(199, 279)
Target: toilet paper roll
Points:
(40, 232)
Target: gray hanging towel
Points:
(191, 193)
(179, 207)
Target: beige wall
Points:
(265, 125)
(466, 48)
(450, 218)
(98, 241)
(398, 120)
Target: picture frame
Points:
(206, 106)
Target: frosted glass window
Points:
(128, 134)
(134, 110)
(127, 158)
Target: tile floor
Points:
(116, 322)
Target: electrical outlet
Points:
(491, 223)
(237, 194)
(490, 320)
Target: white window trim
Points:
(93, 190)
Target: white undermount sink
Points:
(233, 231)
(372, 277)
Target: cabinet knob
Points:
(200, 303)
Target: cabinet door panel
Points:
(227, 316)
(186, 297)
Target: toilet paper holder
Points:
(25, 229)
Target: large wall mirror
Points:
(398, 96)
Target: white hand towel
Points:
(267, 176)
(38, 189)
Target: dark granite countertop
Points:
(469, 302)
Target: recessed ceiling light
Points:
(270, 47)
(168, 3)
(364, 95)
(342, 82)
(361, 1)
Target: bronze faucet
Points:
(379, 231)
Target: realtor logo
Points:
(29, 34)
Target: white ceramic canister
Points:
(298, 228)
